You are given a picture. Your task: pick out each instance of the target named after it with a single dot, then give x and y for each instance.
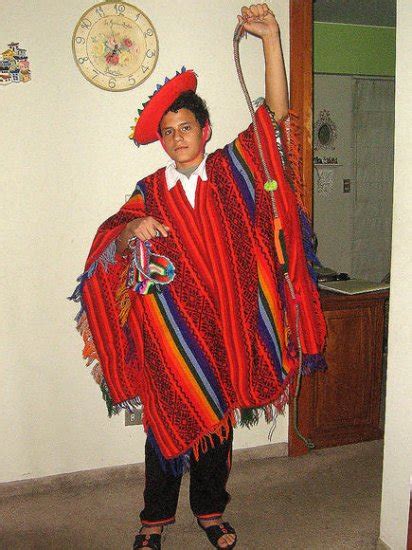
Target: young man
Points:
(197, 297)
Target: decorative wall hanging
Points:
(325, 132)
(14, 65)
(325, 180)
(115, 46)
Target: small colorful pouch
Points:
(148, 272)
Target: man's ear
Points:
(206, 132)
(160, 137)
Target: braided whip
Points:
(270, 187)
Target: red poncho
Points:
(221, 338)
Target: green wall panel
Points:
(354, 49)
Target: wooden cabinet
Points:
(342, 405)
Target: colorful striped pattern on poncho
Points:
(220, 341)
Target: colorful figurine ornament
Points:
(14, 65)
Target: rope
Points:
(270, 186)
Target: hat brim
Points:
(146, 129)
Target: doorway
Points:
(353, 240)
(352, 190)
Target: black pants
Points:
(208, 478)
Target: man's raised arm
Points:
(261, 22)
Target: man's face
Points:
(182, 138)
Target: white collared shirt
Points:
(189, 184)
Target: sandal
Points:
(153, 541)
(214, 532)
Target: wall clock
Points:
(115, 46)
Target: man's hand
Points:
(147, 228)
(259, 21)
(144, 229)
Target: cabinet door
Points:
(347, 398)
(342, 405)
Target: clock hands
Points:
(112, 58)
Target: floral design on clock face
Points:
(115, 46)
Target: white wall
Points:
(398, 427)
(354, 229)
(374, 119)
(67, 165)
(332, 208)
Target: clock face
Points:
(115, 46)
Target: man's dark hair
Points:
(191, 101)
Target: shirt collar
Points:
(173, 175)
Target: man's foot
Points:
(225, 540)
(144, 539)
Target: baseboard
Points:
(274, 450)
(380, 545)
(102, 476)
(71, 480)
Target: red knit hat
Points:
(147, 123)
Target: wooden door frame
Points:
(301, 101)
(301, 84)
